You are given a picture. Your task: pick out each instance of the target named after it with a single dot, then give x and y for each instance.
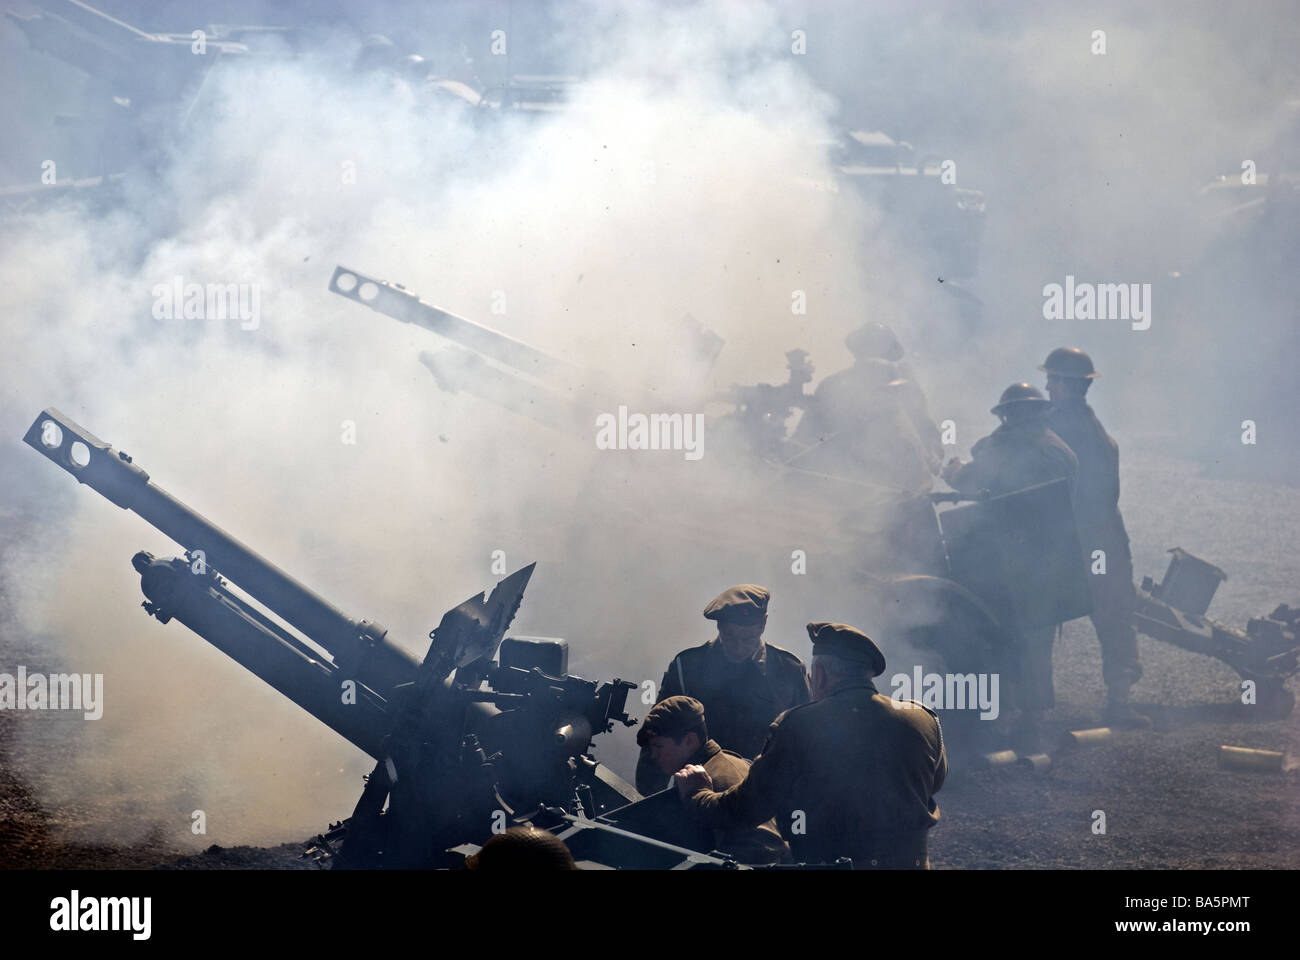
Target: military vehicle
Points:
(916, 198)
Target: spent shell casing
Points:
(1073, 739)
(1001, 758)
(1037, 762)
(1244, 758)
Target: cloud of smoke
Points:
(1093, 164)
(677, 181)
(672, 185)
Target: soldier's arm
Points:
(672, 685)
(1115, 470)
(755, 799)
(941, 769)
(965, 477)
(925, 428)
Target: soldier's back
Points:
(862, 772)
(1016, 456)
(857, 427)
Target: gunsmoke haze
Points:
(679, 181)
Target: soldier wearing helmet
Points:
(874, 339)
(1070, 373)
(868, 425)
(1020, 453)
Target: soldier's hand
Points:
(951, 469)
(691, 779)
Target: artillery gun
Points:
(486, 731)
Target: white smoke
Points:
(678, 181)
(674, 184)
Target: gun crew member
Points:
(676, 734)
(1096, 510)
(1022, 452)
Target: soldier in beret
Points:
(852, 774)
(742, 681)
(676, 734)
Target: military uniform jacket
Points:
(1017, 455)
(851, 774)
(761, 844)
(1096, 502)
(857, 426)
(740, 699)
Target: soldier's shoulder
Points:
(1054, 441)
(691, 654)
(1067, 417)
(904, 705)
(835, 381)
(797, 716)
(783, 657)
(1091, 416)
(726, 769)
(912, 713)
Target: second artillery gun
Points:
(484, 732)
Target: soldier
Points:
(869, 424)
(852, 774)
(877, 340)
(676, 734)
(1096, 507)
(857, 423)
(1021, 453)
(742, 681)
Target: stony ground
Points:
(1166, 802)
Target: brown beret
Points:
(745, 603)
(672, 717)
(841, 640)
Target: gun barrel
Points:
(358, 647)
(263, 648)
(400, 304)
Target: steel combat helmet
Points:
(1021, 399)
(874, 340)
(1070, 362)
